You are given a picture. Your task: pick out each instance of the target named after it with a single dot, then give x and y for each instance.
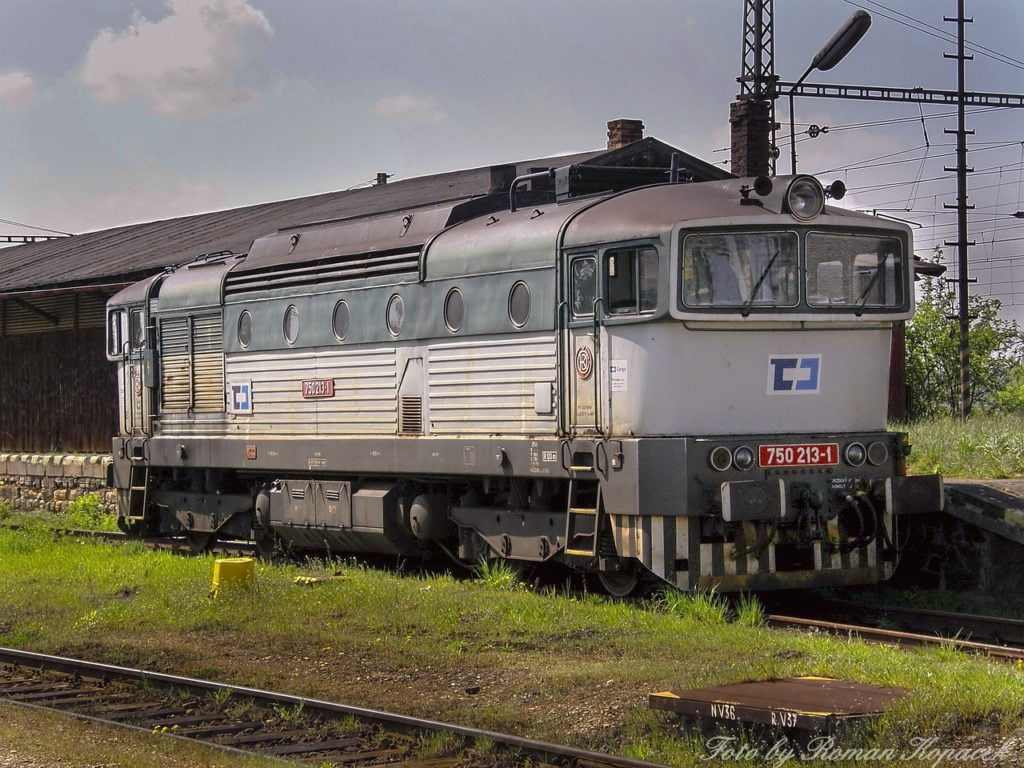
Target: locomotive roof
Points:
(642, 212)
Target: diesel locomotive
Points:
(685, 382)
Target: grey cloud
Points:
(189, 63)
(17, 90)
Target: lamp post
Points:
(834, 51)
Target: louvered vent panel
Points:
(352, 267)
(298, 493)
(174, 364)
(411, 416)
(208, 362)
(192, 364)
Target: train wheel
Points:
(198, 543)
(620, 583)
(267, 546)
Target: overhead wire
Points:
(32, 226)
(936, 32)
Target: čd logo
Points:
(794, 374)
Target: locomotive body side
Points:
(557, 383)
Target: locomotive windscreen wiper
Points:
(862, 300)
(757, 286)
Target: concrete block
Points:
(3, 463)
(35, 466)
(74, 465)
(96, 467)
(53, 465)
(16, 465)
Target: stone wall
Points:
(52, 480)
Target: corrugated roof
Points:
(125, 253)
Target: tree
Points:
(933, 351)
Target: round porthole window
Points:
(454, 310)
(519, 304)
(341, 318)
(396, 315)
(244, 330)
(291, 324)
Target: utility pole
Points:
(910, 95)
(962, 206)
(752, 114)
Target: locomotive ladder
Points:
(583, 517)
(138, 489)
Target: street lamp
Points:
(834, 51)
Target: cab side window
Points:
(138, 330)
(631, 281)
(115, 331)
(584, 286)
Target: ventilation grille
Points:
(352, 267)
(192, 363)
(297, 493)
(334, 495)
(410, 419)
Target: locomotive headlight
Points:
(878, 453)
(743, 458)
(855, 454)
(720, 458)
(805, 198)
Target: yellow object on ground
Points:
(231, 573)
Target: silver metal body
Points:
(567, 412)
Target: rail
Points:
(153, 701)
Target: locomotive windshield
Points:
(853, 271)
(760, 271)
(740, 270)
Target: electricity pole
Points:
(962, 206)
(758, 143)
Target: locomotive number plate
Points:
(312, 388)
(806, 455)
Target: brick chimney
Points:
(622, 132)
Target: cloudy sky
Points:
(117, 111)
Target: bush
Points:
(88, 513)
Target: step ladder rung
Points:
(583, 510)
(581, 468)
(581, 552)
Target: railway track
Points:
(880, 634)
(993, 630)
(181, 544)
(253, 721)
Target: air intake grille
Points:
(411, 416)
(192, 363)
(352, 267)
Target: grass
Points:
(983, 446)
(556, 666)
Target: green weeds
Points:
(498, 574)
(88, 513)
(433, 744)
(984, 446)
(700, 607)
